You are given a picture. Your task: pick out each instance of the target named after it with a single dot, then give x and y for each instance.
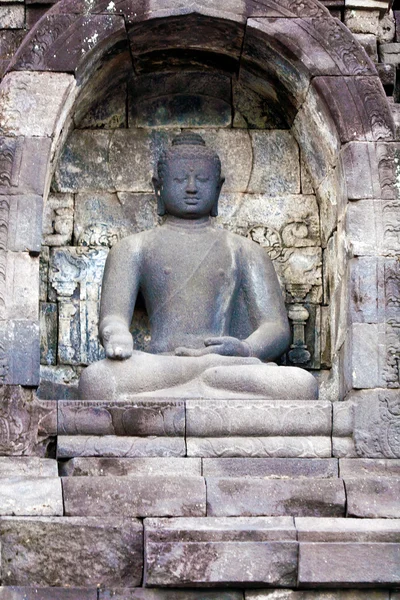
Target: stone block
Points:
(71, 551)
(370, 121)
(98, 467)
(369, 42)
(58, 220)
(12, 16)
(130, 418)
(369, 467)
(364, 228)
(179, 99)
(48, 333)
(24, 105)
(30, 496)
(23, 170)
(361, 21)
(27, 424)
(310, 529)
(19, 352)
(24, 214)
(276, 163)
(270, 467)
(79, 43)
(387, 74)
(387, 28)
(50, 593)
(260, 447)
(314, 125)
(58, 382)
(348, 564)
(165, 594)
(289, 221)
(43, 273)
(255, 497)
(19, 290)
(69, 446)
(359, 163)
(259, 418)
(366, 298)
(316, 595)
(10, 41)
(373, 497)
(211, 552)
(135, 496)
(368, 355)
(103, 219)
(30, 466)
(390, 53)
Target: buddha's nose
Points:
(191, 187)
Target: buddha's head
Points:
(189, 179)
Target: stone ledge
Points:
(99, 467)
(113, 446)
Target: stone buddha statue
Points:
(215, 307)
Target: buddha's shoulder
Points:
(135, 240)
(242, 243)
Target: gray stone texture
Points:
(24, 221)
(135, 496)
(28, 425)
(58, 220)
(165, 594)
(49, 593)
(367, 355)
(258, 418)
(369, 467)
(270, 467)
(316, 595)
(71, 551)
(19, 290)
(31, 466)
(373, 497)
(70, 446)
(12, 16)
(22, 496)
(206, 552)
(390, 53)
(19, 352)
(260, 447)
(275, 497)
(362, 21)
(97, 467)
(347, 530)
(130, 418)
(48, 314)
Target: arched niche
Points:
(297, 68)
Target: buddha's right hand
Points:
(117, 342)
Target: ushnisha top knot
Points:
(189, 146)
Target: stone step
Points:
(112, 554)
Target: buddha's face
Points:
(190, 188)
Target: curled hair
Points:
(190, 146)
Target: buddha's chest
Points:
(190, 267)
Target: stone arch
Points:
(332, 98)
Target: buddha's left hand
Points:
(227, 346)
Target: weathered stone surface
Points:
(114, 446)
(348, 564)
(373, 497)
(315, 128)
(24, 213)
(387, 28)
(362, 21)
(369, 467)
(31, 466)
(58, 382)
(376, 423)
(98, 467)
(58, 220)
(387, 74)
(27, 424)
(19, 290)
(30, 496)
(357, 120)
(267, 447)
(311, 529)
(270, 467)
(369, 42)
(276, 163)
(266, 497)
(180, 99)
(23, 170)
(316, 595)
(50, 593)
(257, 418)
(130, 418)
(71, 551)
(19, 352)
(148, 594)
(364, 228)
(205, 552)
(367, 355)
(10, 40)
(48, 333)
(366, 301)
(360, 168)
(136, 496)
(68, 43)
(103, 219)
(24, 105)
(12, 16)
(390, 53)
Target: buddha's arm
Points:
(119, 291)
(264, 299)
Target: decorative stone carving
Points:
(58, 220)
(23, 164)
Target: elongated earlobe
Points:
(160, 204)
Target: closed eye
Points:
(180, 179)
(202, 179)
